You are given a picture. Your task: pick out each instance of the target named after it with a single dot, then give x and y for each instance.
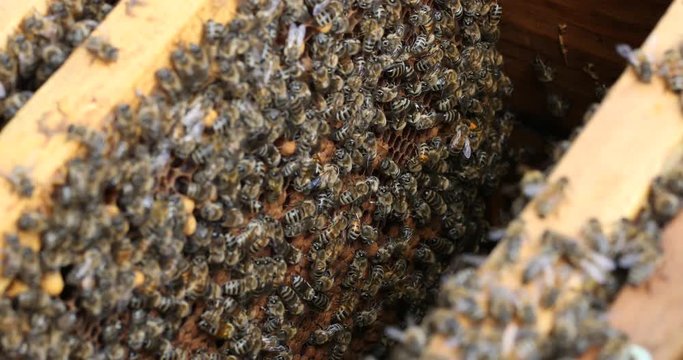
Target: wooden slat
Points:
(630, 140)
(84, 91)
(651, 314)
(593, 28)
(12, 12)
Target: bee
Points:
(211, 211)
(26, 53)
(366, 318)
(399, 70)
(324, 282)
(541, 263)
(294, 47)
(373, 33)
(343, 160)
(547, 201)
(305, 209)
(211, 322)
(20, 182)
(354, 229)
(347, 48)
(672, 70)
(101, 49)
(665, 204)
(13, 103)
(246, 344)
(495, 14)
(8, 74)
(291, 300)
(596, 239)
(242, 286)
(325, 12)
(169, 82)
(320, 301)
(368, 234)
(374, 283)
(53, 55)
(421, 43)
(430, 61)
(641, 62)
(303, 288)
(557, 105)
(545, 73)
(413, 338)
(435, 202)
(347, 305)
(386, 94)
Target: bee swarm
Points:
(298, 178)
(41, 46)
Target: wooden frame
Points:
(635, 135)
(83, 91)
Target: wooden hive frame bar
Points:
(633, 137)
(12, 13)
(84, 91)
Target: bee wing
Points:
(626, 51)
(320, 7)
(496, 234)
(467, 150)
(301, 35)
(292, 35)
(3, 92)
(532, 189)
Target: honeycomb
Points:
(297, 181)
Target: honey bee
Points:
(169, 82)
(303, 288)
(291, 300)
(541, 263)
(366, 318)
(495, 14)
(320, 301)
(672, 70)
(13, 103)
(305, 209)
(435, 202)
(101, 49)
(386, 94)
(557, 105)
(552, 194)
(641, 62)
(545, 73)
(373, 33)
(240, 286)
(295, 42)
(421, 43)
(368, 234)
(597, 240)
(20, 182)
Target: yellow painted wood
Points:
(12, 12)
(84, 91)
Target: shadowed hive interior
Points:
(298, 180)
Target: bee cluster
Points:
(307, 168)
(41, 46)
(570, 280)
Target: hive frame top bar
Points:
(634, 136)
(84, 91)
(13, 12)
